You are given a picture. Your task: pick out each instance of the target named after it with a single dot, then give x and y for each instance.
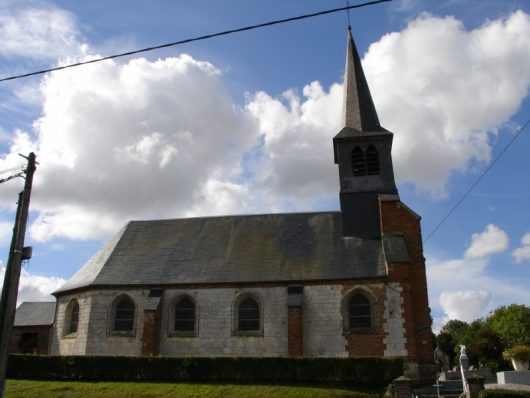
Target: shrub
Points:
(520, 352)
(369, 372)
(500, 393)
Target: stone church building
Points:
(322, 284)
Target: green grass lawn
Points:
(69, 389)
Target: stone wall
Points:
(71, 344)
(101, 339)
(216, 334)
(321, 319)
(394, 324)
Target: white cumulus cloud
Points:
(466, 305)
(491, 241)
(522, 253)
(38, 33)
(118, 142)
(464, 288)
(160, 139)
(444, 90)
(35, 287)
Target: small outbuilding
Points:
(32, 328)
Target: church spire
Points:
(358, 111)
(363, 152)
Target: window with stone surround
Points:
(183, 317)
(71, 319)
(74, 318)
(248, 316)
(123, 312)
(359, 311)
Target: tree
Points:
(486, 339)
(512, 324)
(454, 328)
(467, 337)
(485, 349)
(449, 336)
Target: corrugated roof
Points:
(232, 249)
(35, 314)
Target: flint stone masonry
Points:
(394, 322)
(323, 321)
(94, 332)
(216, 335)
(71, 344)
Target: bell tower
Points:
(362, 149)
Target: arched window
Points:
(248, 315)
(357, 162)
(74, 317)
(185, 315)
(124, 315)
(71, 318)
(372, 161)
(359, 312)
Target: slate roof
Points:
(358, 109)
(231, 249)
(35, 314)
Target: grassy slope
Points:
(61, 389)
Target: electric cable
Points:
(204, 37)
(481, 176)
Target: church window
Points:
(124, 315)
(357, 162)
(185, 315)
(71, 320)
(248, 315)
(359, 312)
(372, 161)
(74, 318)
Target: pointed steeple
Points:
(358, 111)
(363, 152)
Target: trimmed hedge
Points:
(501, 393)
(368, 372)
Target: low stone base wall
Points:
(514, 377)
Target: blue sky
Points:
(243, 124)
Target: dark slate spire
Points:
(363, 152)
(358, 111)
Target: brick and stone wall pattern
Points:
(394, 322)
(395, 217)
(366, 342)
(216, 335)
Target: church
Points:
(342, 283)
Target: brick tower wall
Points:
(398, 218)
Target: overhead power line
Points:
(226, 32)
(480, 177)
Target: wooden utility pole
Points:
(8, 301)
